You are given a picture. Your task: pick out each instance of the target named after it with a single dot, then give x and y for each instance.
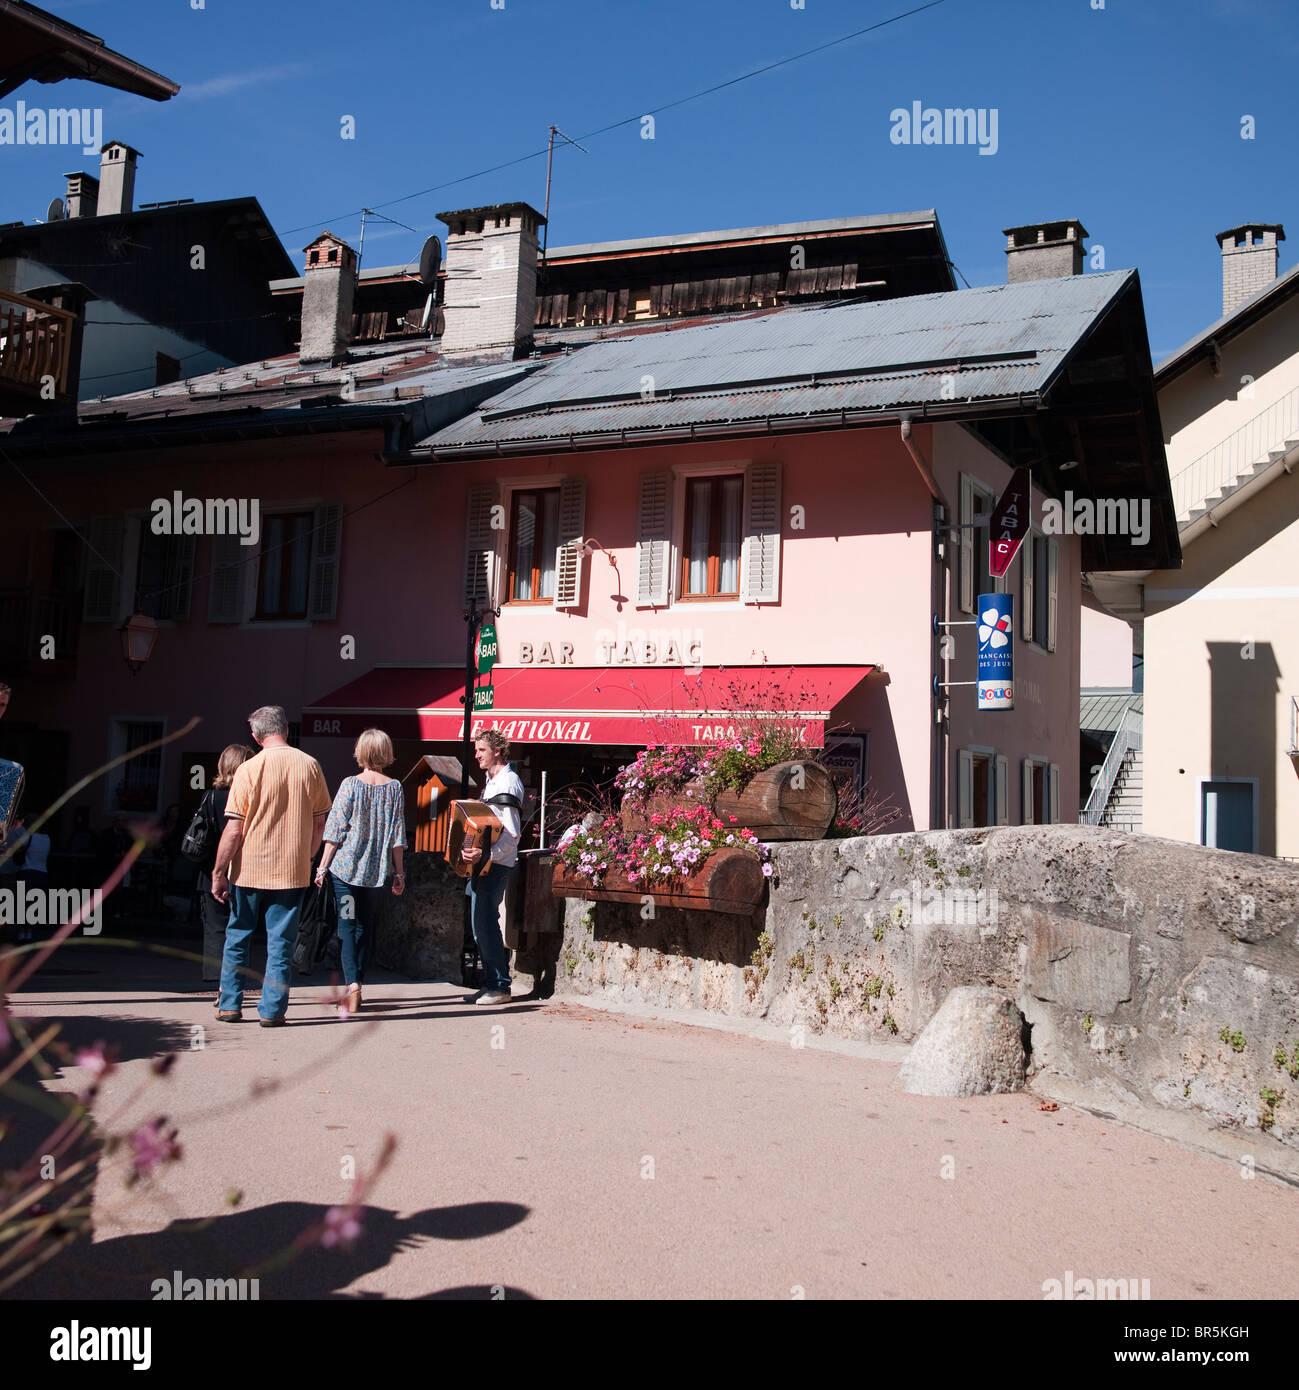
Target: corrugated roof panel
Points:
(1044, 317)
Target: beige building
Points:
(1221, 635)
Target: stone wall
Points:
(421, 932)
(1150, 971)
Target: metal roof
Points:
(1102, 708)
(779, 230)
(997, 342)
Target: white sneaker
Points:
(494, 996)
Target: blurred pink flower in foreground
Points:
(152, 1145)
(342, 1226)
(99, 1060)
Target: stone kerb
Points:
(1151, 971)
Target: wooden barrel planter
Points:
(791, 801)
(729, 880)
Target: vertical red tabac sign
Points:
(1009, 522)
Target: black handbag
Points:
(200, 842)
(318, 926)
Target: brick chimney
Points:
(83, 194)
(116, 178)
(491, 279)
(1248, 260)
(329, 285)
(1044, 250)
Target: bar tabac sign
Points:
(1008, 524)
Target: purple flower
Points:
(766, 871)
(342, 1226)
(152, 1145)
(98, 1061)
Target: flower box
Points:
(729, 880)
(790, 801)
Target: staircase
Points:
(1123, 809)
(1258, 445)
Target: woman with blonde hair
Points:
(365, 832)
(212, 808)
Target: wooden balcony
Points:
(35, 350)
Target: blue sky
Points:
(1127, 117)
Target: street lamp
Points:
(139, 633)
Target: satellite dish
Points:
(56, 211)
(430, 262)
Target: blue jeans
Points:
(279, 910)
(485, 894)
(358, 911)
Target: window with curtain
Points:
(285, 572)
(534, 538)
(714, 532)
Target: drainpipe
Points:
(939, 603)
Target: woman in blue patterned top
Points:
(366, 829)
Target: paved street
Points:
(597, 1154)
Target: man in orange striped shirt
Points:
(275, 820)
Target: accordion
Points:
(474, 825)
(11, 793)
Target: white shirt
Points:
(505, 851)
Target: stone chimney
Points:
(83, 194)
(329, 286)
(117, 178)
(1044, 250)
(491, 279)
(1248, 261)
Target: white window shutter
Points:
(568, 557)
(964, 789)
(1026, 793)
(103, 594)
(1053, 794)
(966, 533)
(653, 553)
(1053, 590)
(326, 543)
(1002, 810)
(480, 543)
(1026, 588)
(572, 510)
(760, 556)
(225, 589)
(568, 575)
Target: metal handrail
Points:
(1126, 736)
(1240, 450)
(1294, 727)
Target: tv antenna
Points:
(550, 160)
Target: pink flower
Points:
(152, 1145)
(98, 1060)
(342, 1226)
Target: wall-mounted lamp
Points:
(139, 633)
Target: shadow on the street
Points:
(254, 1244)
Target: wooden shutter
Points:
(225, 589)
(1053, 794)
(569, 553)
(760, 554)
(1053, 590)
(964, 789)
(652, 550)
(326, 543)
(1002, 793)
(103, 594)
(480, 543)
(966, 534)
(1026, 793)
(1026, 554)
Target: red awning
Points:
(635, 705)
